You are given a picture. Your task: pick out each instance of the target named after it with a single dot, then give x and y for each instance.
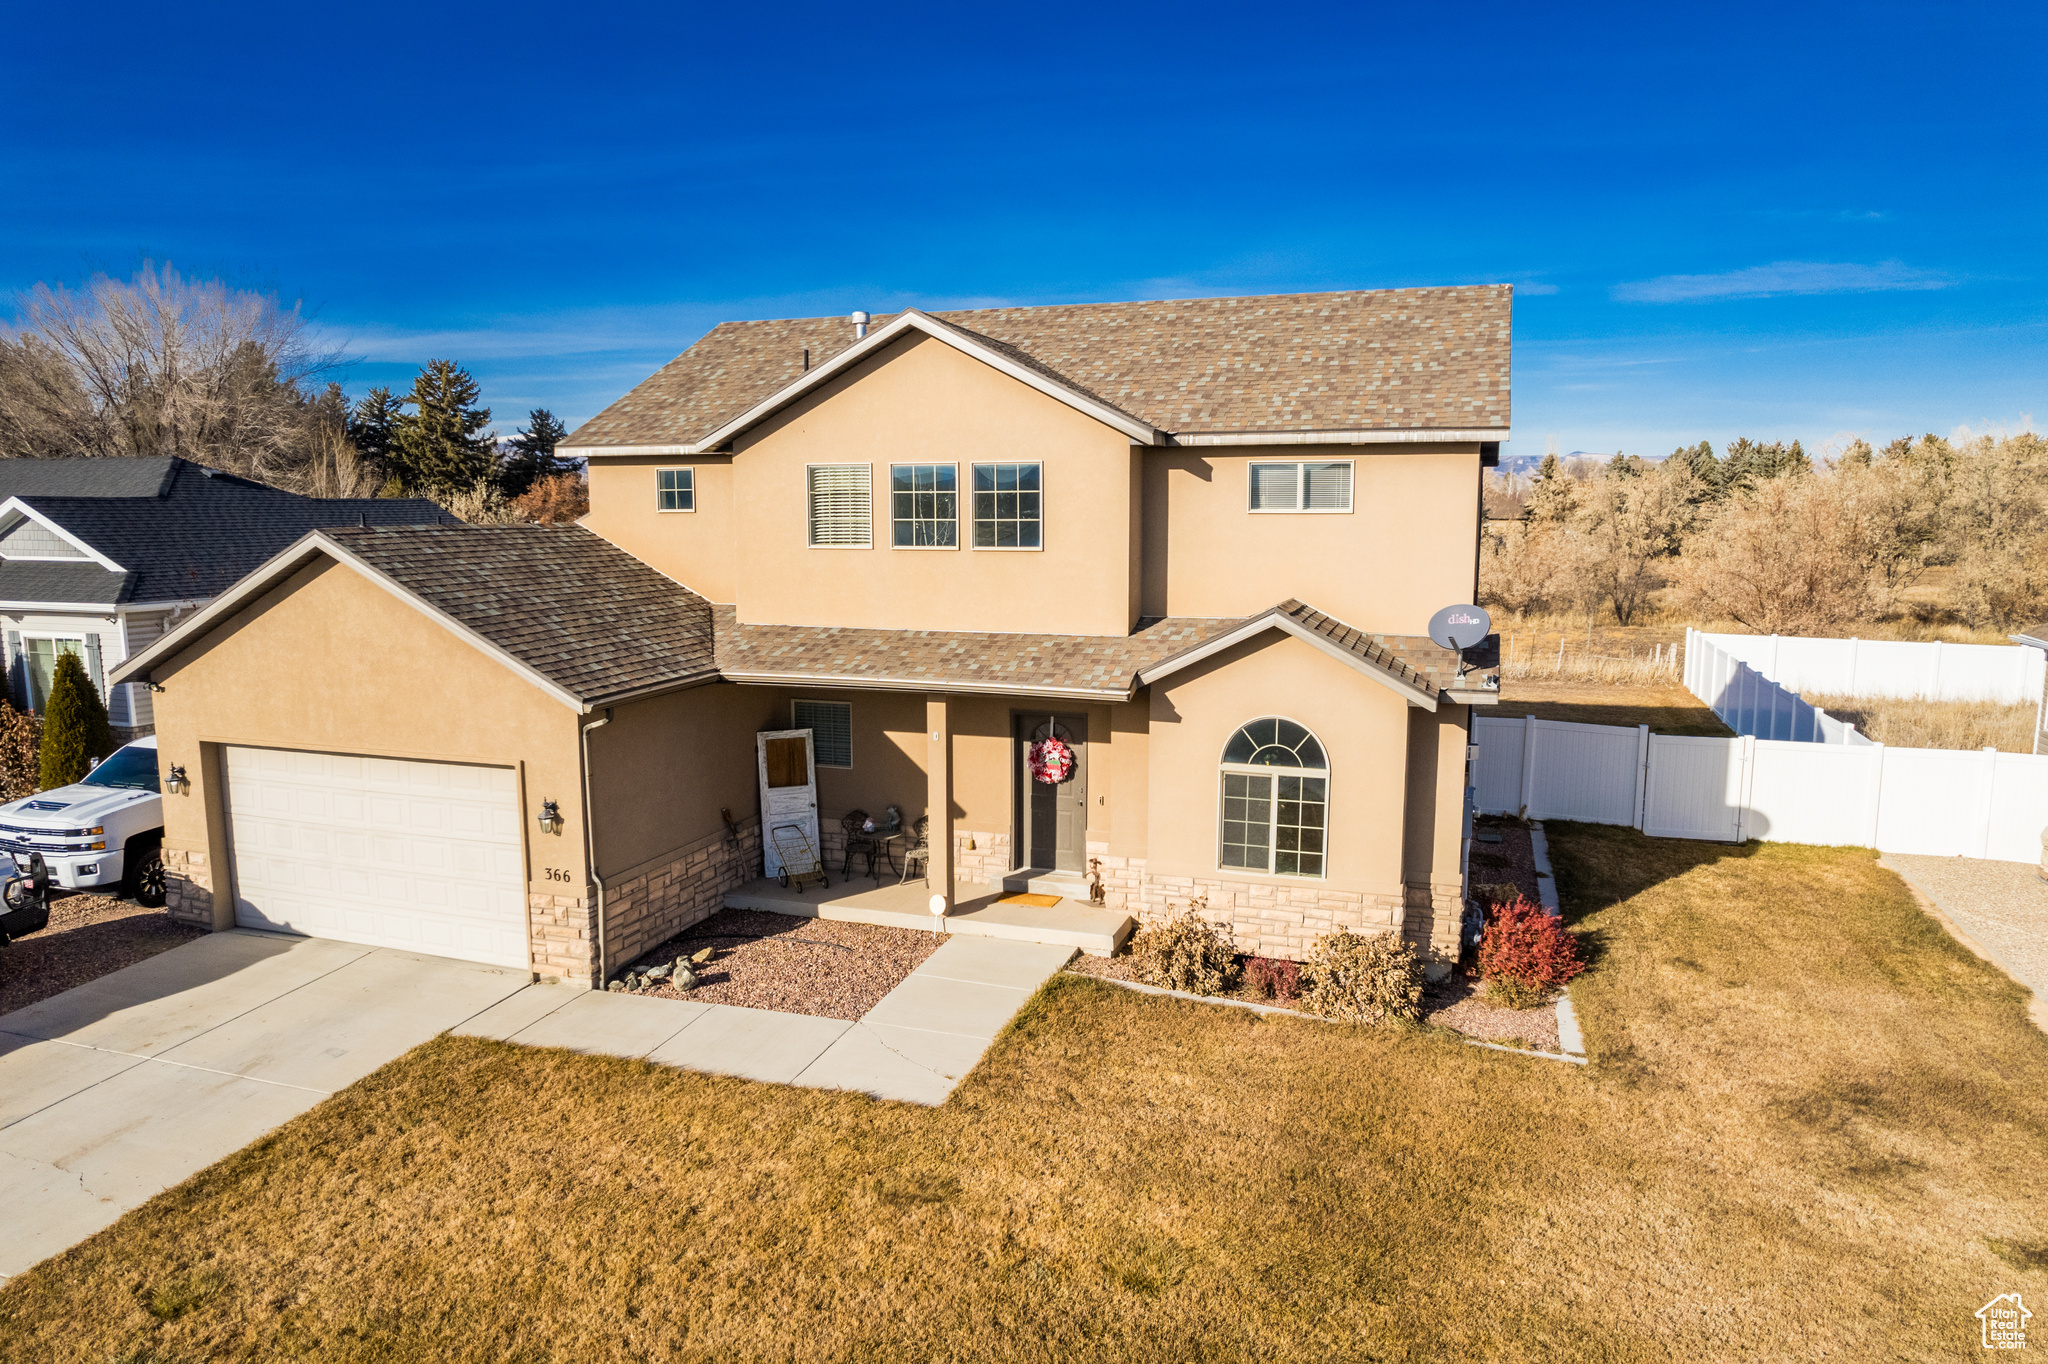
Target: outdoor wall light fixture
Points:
(550, 817)
(175, 780)
(153, 686)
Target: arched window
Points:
(1276, 798)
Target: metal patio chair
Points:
(918, 853)
(858, 843)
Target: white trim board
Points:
(14, 505)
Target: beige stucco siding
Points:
(1403, 551)
(922, 401)
(694, 547)
(1362, 726)
(329, 662)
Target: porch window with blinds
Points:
(831, 727)
(1301, 486)
(842, 506)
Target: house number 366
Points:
(557, 874)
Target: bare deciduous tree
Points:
(164, 365)
(1784, 556)
(1628, 526)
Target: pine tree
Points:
(1706, 470)
(533, 454)
(442, 445)
(75, 729)
(1555, 496)
(373, 426)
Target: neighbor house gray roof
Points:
(568, 604)
(179, 531)
(1285, 364)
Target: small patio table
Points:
(882, 843)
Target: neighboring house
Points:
(98, 557)
(836, 565)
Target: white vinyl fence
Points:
(1749, 702)
(2010, 673)
(1911, 800)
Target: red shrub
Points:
(1525, 953)
(1273, 979)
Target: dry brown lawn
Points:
(1814, 1128)
(1937, 724)
(1668, 709)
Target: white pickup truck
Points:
(107, 830)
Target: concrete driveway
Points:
(123, 1087)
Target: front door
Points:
(1054, 816)
(789, 797)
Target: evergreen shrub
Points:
(75, 729)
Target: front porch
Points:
(977, 912)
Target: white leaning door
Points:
(414, 855)
(789, 791)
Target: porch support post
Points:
(938, 768)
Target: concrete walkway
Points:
(915, 1045)
(2001, 907)
(120, 1088)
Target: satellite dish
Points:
(1460, 627)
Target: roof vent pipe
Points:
(860, 325)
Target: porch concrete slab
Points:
(156, 1004)
(601, 1023)
(509, 1015)
(976, 912)
(34, 1075)
(753, 1044)
(996, 961)
(74, 1167)
(861, 1060)
(962, 1008)
(331, 1032)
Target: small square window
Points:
(675, 490)
(1007, 509)
(831, 727)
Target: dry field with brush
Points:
(1813, 1127)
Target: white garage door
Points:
(416, 855)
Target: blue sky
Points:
(1772, 221)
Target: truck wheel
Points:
(143, 882)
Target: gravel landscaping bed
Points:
(823, 967)
(88, 936)
(1455, 1002)
(1510, 862)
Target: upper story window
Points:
(924, 505)
(675, 490)
(1301, 486)
(842, 505)
(1007, 511)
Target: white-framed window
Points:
(842, 505)
(1300, 485)
(831, 727)
(1275, 800)
(924, 506)
(1008, 506)
(675, 490)
(39, 654)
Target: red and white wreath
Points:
(1051, 761)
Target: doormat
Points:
(1035, 901)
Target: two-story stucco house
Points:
(839, 565)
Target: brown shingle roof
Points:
(952, 659)
(1362, 360)
(600, 624)
(570, 605)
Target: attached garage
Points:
(423, 856)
